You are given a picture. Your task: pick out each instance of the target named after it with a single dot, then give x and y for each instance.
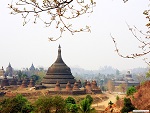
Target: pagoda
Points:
(5, 82)
(24, 84)
(60, 72)
(31, 83)
(9, 71)
(68, 86)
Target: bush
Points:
(131, 90)
(58, 104)
(18, 104)
(71, 105)
(70, 100)
(117, 98)
(90, 98)
(128, 106)
(49, 104)
(43, 105)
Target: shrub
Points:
(18, 104)
(70, 100)
(43, 104)
(117, 98)
(128, 106)
(131, 90)
(90, 98)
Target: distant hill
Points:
(108, 70)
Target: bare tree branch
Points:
(59, 11)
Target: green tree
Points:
(50, 104)
(117, 97)
(70, 100)
(128, 106)
(18, 104)
(74, 108)
(19, 74)
(41, 74)
(36, 78)
(43, 105)
(90, 98)
(148, 74)
(71, 105)
(24, 76)
(85, 106)
(117, 72)
(131, 90)
(58, 104)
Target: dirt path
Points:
(104, 104)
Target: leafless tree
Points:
(143, 38)
(56, 12)
(110, 86)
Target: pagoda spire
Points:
(9, 64)
(59, 51)
(59, 58)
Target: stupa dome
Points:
(58, 71)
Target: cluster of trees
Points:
(36, 75)
(46, 104)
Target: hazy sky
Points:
(22, 46)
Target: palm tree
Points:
(85, 106)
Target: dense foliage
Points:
(46, 104)
(90, 98)
(85, 106)
(18, 104)
(131, 90)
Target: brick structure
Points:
(75, 87)
(58, 71)
(57, 87)
(68, 86)
(31, 83)
(24, 84)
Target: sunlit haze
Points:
(23, 45)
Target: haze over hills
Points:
(107, 70)
(102, 70)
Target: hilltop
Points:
(141, 99)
